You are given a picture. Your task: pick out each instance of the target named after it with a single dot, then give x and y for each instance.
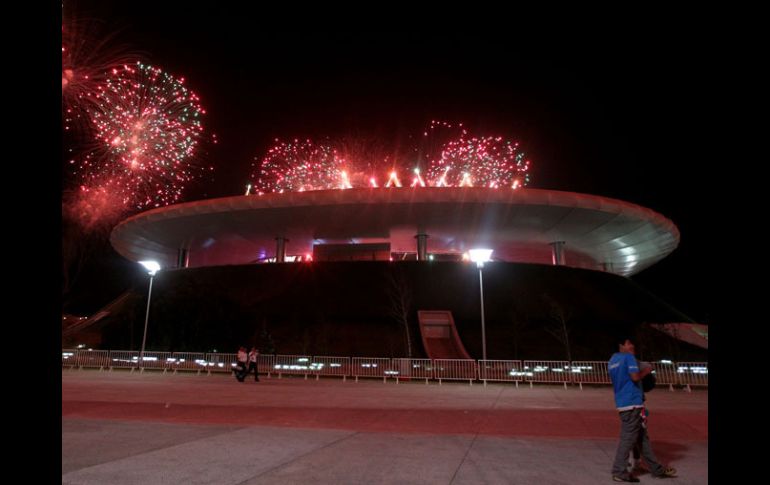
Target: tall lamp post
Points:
(152, 267)
(481, 256)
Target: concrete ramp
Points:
(439, 335)
(110, 308)
(692, 333)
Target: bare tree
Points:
(559, 319)
(400, 299)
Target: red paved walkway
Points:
(497, 410)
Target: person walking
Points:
(253, 363)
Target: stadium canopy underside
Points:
(525, 225)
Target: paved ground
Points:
(119, 428)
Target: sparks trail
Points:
(88, 56)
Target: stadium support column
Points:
(183, 258)
(422, 246)
(280, 249)
(557, 253)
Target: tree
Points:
(400, 299)
(559, 319)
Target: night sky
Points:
(607, 114)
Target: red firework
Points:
(147, 129)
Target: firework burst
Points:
(444, 156)
(480, 161)
(298, 166)
(147, 127)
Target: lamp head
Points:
(152, 267)
(480, 256)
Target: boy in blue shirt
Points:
(625, 374)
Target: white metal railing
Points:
(155, 360)
(68, 357)
(189, 361)
(93, 358)
(370, 367)
(501, 371)
(407, 369)
(123, 359)
(331, 366)
(693, 373)
(454, 370)
(265, 364)
(590, 372)
(553, 371)
(293, 365)
(667, 373)
(219, 362)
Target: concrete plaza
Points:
(122, 428)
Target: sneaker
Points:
(625, 478)
(668, 472)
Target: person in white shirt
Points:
(253, 363)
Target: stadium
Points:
(386, 272)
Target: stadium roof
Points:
(598, 232)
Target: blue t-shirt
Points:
(627, 392)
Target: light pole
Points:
(481, 256)
(152, 267)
